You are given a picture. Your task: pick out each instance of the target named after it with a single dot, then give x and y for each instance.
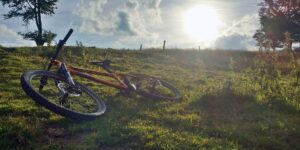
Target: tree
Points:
(277, 18)
(32, 10)
(265, 43)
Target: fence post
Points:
(164, 46)
(141, 47)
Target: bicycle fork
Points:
(63, 69)
(71, 89)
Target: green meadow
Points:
(231, 100)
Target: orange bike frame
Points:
(86, 73)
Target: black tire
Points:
(165, 91)
(77, 109)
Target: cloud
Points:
(10, 38)
(124, 23)
(115, 18)
(132, 22)
(235, 42)
(131, 4)
(239, 34)
(246, 26)
(152, 10)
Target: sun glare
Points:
(202, 23)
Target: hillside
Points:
(231, 100)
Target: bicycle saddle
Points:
(104, 64)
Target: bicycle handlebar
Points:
(59, 46)
(68, 35)
(61, 43)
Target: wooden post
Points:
(164, 46)
(141, 47)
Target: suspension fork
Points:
(64, 70)
(65, 94)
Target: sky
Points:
(190, 24)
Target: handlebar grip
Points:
(68, 35)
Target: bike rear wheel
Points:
(80, 103)
(153, 87)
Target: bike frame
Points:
(87, 73)
(69, 70)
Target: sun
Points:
(202, 23)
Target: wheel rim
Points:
(63, 95)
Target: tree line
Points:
(280, 24)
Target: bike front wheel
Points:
(52, 91)
(153, 87)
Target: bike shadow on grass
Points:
(224, 115)
(111, 127)
(118, 108)
(229, 116)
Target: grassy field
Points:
(231, 100)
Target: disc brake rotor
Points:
(65, 88)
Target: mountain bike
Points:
(60, 93)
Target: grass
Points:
(231, 100)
